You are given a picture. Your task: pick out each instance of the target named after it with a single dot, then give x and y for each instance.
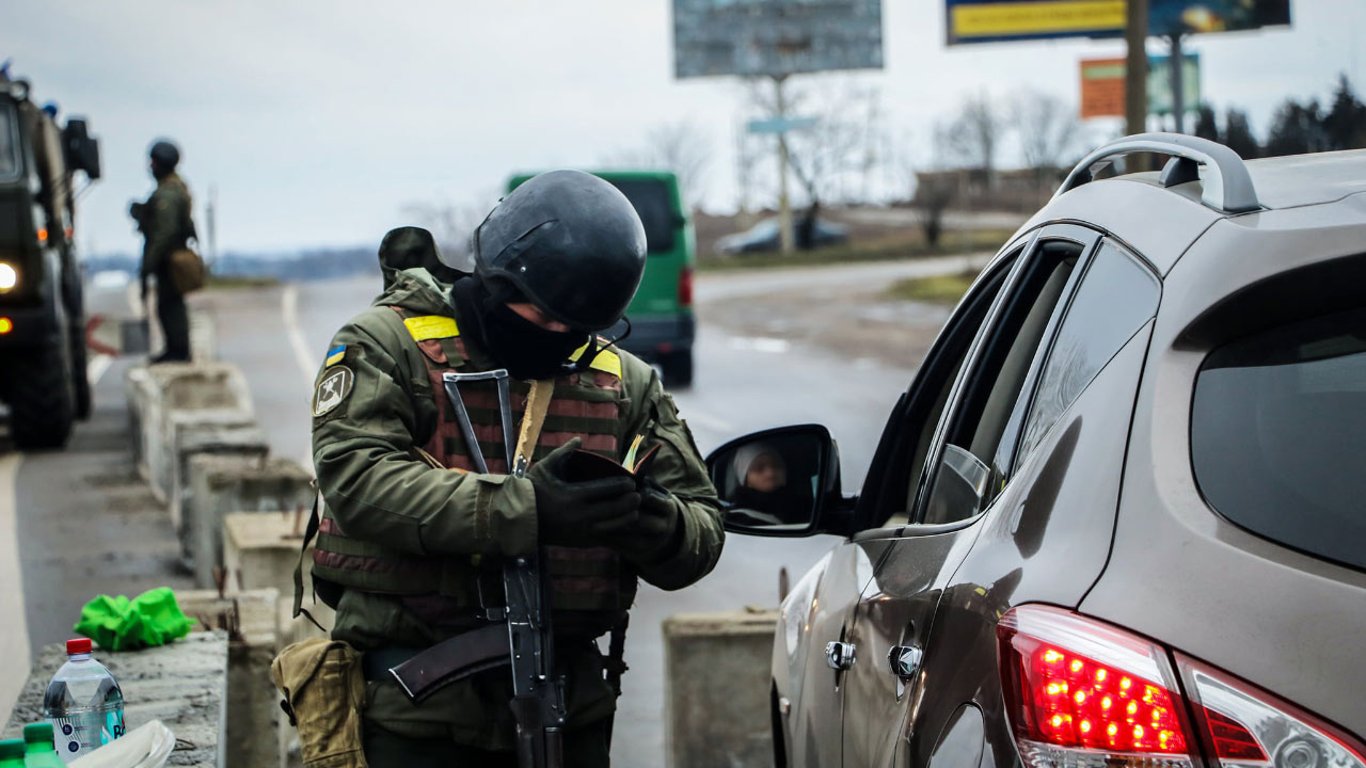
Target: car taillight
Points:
(1247, 727)
(1080, 693)
(685, 287)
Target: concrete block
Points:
(262, 550)
(184, 685)
(188, 433)
(220, 484)
(181, 387)
(717, 694)
(249, 618)
(138, 390)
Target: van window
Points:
(654, 204)
(1278, 429)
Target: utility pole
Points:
(785, 238)
(1177, 61)
(1136, 68)
(212, 226)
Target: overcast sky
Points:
(318, 120)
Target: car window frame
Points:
(1089, 239)
(895, 438)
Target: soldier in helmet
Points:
(166, 226)
(412, 539)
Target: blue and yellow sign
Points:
(989, 21)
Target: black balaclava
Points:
(524, 348)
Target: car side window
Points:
(1116, 297)
(899, 464)
(968, 476)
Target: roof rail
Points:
(1227, 184)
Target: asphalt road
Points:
(78, 523)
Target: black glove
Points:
(654, 534)
(569, 511)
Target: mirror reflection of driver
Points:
(761, 477)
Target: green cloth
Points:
(118, 624)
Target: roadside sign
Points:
(780, 124)
(774, 38)
(1102, 85)
(989, 21)
(1102, 88)
(1160, 83)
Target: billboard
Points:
(775, 37)
(1102, 85)
(990, 21)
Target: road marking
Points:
(14, 648)
(289, 306)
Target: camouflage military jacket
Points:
(166, 223)
(377, 488)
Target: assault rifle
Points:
(538, 703)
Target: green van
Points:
(661, 315)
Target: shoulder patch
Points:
(335, 355)
(333, 389)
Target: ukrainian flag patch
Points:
(335, 355)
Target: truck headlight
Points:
(9, 277)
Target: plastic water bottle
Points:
(83, 703)
(39, 751)
(12, 753)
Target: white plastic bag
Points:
(148, 746)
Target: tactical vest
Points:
(590, 588)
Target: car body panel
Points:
(1109, 204)
(1288, 622)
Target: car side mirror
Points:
(82, 150)
(779, 482)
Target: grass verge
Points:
(950, 243)
(939, 289)
(239, 282)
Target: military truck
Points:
(42, 318)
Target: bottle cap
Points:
(78, 645)
(12, 748)
(38, 733)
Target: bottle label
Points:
(81, 734)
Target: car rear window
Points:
(9, 142)
(1278, 432)
(654, 204)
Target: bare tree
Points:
(451, 225)
(842, 149)
(681, 147)
(973, 137)
(1048, 130)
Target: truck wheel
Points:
(678, 369)
(42, 400)
(80, 377)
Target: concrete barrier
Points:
(220, 483)
(199, 433)
(717, 689)
(262, 550)
(184, 685)
(156, 392)
(253, 737)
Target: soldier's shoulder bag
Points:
(187, 269)
(324, 691)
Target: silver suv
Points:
(1119, 516)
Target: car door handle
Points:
(840, 656)
(905, 661)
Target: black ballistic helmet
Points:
(165, 154)
(569, 242)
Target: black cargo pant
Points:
(584, 747)
(174, 319)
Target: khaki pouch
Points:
(324, 690)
